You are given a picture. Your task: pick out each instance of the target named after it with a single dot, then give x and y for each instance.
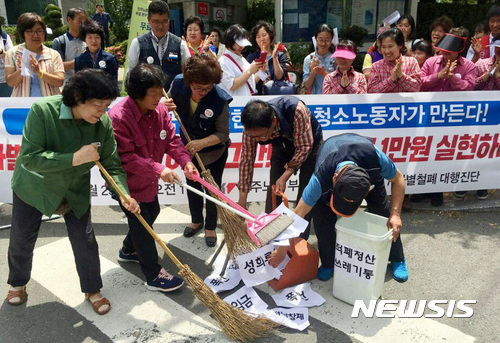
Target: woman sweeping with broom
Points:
(144, 133)
(203, 108)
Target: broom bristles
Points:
(234, 323)
(273, 229)
(234, 227)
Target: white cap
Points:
(243, 42)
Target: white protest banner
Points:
(228, 281)
(441, 142)
(355, 263)
(247, 299)
(255, 268)
(295, 318)
(298, 296)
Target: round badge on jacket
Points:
(458, 75)
(209, 113)
(150, 59)
(102, 64)
(163, 135)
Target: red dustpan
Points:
(303, 264)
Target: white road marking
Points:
(136, 313)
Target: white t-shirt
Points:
(230, 71)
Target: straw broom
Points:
(234, 227)
(234, 322)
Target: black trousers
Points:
(140, 241)
(196, 201)
(26, 222)
(105, 41)
(324, 220)
(279, 158)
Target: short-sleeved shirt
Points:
(73, 47)
(328, 61)
(50, 62)
(313, 192)
(231, 71)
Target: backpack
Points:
(62, 42)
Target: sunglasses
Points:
(345, 47)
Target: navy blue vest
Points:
(347, 147)
(171, 60)
(285, 107)
(199, 125)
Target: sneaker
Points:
(165, 282)
(482, 194)
(123, 257)
(324, 273)
(460, 194)
(399, 271)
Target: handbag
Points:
(283, 87)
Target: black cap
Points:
(350, 188)
(451, 43)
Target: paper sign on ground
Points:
(255, 268)
(298, 296)
(295, 318)
(228, 281)
(247, 299)
(299, 225)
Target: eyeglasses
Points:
(345, 47)
(259, 137)
(158, 22)
(324, 41)
(202, 89)
(32, 33)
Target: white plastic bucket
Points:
(360, 266)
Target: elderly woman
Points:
(204, 110)
(92, 33)
(439, 28)
(144, 134)
(238, 75)
(193, 29)
(396, 72)
(345, 80)
(320, 62)
(45, 64)
(215, 37)
(275, 61)
(52, 175)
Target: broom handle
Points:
(141, 218)
(248, 217)
(220, 194)
(198, 158)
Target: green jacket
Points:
(44, 175)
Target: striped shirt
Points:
(303, 140)
(380, 77)
(483, 66)
(50, 62)
(332, 84)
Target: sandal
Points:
(98, 303)
(189, 231)
(18, 297)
